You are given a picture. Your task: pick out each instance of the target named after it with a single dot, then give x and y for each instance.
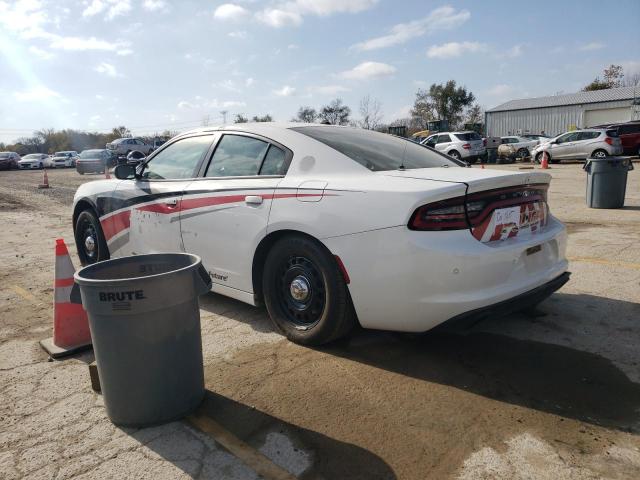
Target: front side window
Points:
(568, 137)
(179, 160)
(237, 156)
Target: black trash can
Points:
(145, 325)
(607, 181)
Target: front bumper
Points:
(28, 166)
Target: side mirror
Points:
(125, 172)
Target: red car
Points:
(629, 133)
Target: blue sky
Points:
(153, 64)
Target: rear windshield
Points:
(612, 133)
(377, 151)
(467, 136)
(91, 154)
(4, 155)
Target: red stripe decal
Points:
(63, 282)
(116, 223)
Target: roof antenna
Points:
(404, 152)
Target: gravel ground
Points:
(554, 394)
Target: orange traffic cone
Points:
(107, 175)
(70, 323)
(45, 180)
(545, 161)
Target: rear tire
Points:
(522, 153)
(90, 241)
(454, 154)
(599, 154)
(305, 292)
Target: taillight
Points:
(484, 142)
(466, 146)
(608, 140)
(458, 214)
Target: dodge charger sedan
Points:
(333, 226)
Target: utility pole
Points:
(224, 116)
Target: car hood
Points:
(475, 178)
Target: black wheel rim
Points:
(301, 292)
(88, 241)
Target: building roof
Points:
(611, 94)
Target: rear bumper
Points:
(518, 303)
(413, 281)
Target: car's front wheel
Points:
(305, 292)
(522, 153)
(90, 241)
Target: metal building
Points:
(560, 113)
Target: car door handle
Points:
(172, 203)
(253, 200)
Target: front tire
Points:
(90, 241)
(305, 292)
(522, 153)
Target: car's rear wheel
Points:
(90, 241)
(454, 154)
(305, 292)
(522, 153)
(599, 154)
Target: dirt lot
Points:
(555, 394)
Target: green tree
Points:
(240, 118)
(444, 102)
(264, 118)
(612, 78)
(335, 113)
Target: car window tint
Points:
(444, 138)
(178, 160)
(377, 151)
(612, 133)
(468, 136)
(589, 135)
(629, 128)
(237, 156)
(273, 162)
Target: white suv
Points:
(580, 144)
(124, 146)
(467, 146)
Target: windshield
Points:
(91, 154)
(377, 151)
(62, 154)
(32, 155)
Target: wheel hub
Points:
(90, 245)
(300, 289)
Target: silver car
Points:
(521, 147)
(580, 145)
(124, 146)
(35, 160)
(467, 146)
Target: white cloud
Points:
(514, 51)
(107, 69)
(232, 104)
(230, 11)
(99, 97)
(81, 44)
(184, 105)
(367, 70)
(113, 8)
(124, 52)
(442, 18)
(248, 82)
(155, 5)
(227, 85)
(36, 94)
(240, 34)
(501, 90)
(455, 49)
(292, 46)
(285, 91)
(40, 53)
(279, 18)
(592, 46)
(329, 89)
(201, 103)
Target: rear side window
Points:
(179, 160)
(274, 162)
(377, 151)
(237, 156)
(612, 133)
(588, 135)
(444, 138)
(468, 136)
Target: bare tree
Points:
(206, 120)
(240, 118)
(475, 114)
(371, 113)
(631, 80)
(306, 115)
(264, 118)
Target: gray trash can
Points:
(145, 325)
(607, 181)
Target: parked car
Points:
(418, 137)
(35, 160)
(9, 160)
(95, 161)
(301, 216)
(135, 158)
(66, 158)
(519, 147)
(629, 133)
(467, 146)
(537, 136)
(123, 146)
(580, 144)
